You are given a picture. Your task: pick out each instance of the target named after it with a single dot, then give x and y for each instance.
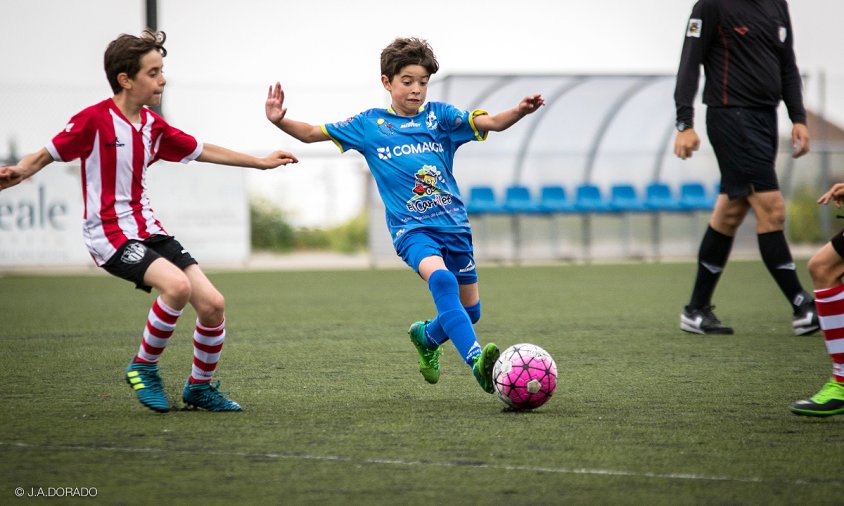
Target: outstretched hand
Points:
(276, 159)
(275, 104)
(835, 194)
(10, 175)
(531, 103)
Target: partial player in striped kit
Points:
(116, 140)
(827, 270)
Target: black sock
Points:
(712, 257)
(777, 258)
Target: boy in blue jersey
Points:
(409, 148)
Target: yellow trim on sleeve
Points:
(340, 146)
(481, 136)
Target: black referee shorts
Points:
(745, 143)
(134, 257)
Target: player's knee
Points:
(729, 222)
(776, 219)
(177, 291)
(474, 312)
(211, 308)
(820, 272)
(443, 281)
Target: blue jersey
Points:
(412, 159)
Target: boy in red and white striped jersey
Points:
(827, 270)
(116, 140)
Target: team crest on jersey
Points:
(695, 26)
(431, 121)
(426, 192)
(385, 127)
(133, 253)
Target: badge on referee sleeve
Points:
(695, 25)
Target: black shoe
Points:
(805, 319)
(702, 321)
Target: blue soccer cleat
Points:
(144, 379)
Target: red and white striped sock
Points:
(161, 322)
(830, 304)
(207, 346)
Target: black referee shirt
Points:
(747, 51)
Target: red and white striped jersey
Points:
(115, 155)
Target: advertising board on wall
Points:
(204, 206)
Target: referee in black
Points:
(747, 52)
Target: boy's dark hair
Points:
(124, 54)
(407, 51)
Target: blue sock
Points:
(474, 312)
(451, 316)
(435, 333)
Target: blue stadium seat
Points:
(482, 201)
(588, 199)
(623, 198)
(554, 199)
(658, 197)
(517, 199)
(693, 197)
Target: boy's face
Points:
(408, 89)
(147, 85)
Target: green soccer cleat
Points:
(208, 396)
(429, 358)
(483, 364)
(144, 379)
(829, 401)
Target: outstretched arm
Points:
(506, 119)
(212, 153)
(276, 111)
(29, 165)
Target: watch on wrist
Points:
(682, 126)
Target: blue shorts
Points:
(454, 248)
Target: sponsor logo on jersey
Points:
(783, 34)
(68, 127)
(133, 253)
(695, 26)
(410, 124)
(116, 143)
(426, 194)
(409, 149)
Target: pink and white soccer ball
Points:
(525, 376)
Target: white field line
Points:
(410, 463)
